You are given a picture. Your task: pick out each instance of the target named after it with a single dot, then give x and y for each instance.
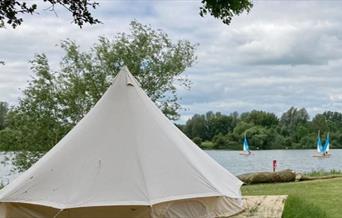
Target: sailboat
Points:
(245, 147)
(326, 146)
(319, 143)
(323, 149)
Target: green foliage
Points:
(197, 141)
(293, 117)
(242, 127)
(10, 10)
(55, 100)
(3, 114)
(208, 125)
(37, 120)
(324, 173)
(225, 10)
(151, 56)
(196, 127)
(264, 130)
(207, 145)
(9, 139)
(260, 118)
(24, 159)
(227, 141)
(219, 141)
(259, 137)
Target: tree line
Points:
(293, 130)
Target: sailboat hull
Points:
(245, 154)
(321, 155)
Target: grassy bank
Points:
(324, 173)
(311, 199)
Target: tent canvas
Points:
(123, 159)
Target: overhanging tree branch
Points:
(225, 9)
(11, 11)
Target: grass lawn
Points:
(319, 198)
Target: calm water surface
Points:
(298, 160)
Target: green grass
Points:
(297, 207)
(310, 199)
(324, 173)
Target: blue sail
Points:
(326, 145)
(319, 144)
(245, 144)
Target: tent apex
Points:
(124, 69)
(129, 79)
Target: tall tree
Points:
(219, 123)
(11, 11)
(196, 127)
(294, 116)
(260, 118)
(151, 56)
(38, 118)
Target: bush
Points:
(207, 145)
(197, 141)
(220, 141)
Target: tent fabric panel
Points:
(19, 210)
(210, 207)
(188, 208)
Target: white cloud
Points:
(279, 55)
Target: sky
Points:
(281, 54)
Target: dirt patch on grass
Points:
(266, 206)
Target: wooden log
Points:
(268, 177)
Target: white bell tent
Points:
(123, 159)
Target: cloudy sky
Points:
(281, 54)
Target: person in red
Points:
(274, 165)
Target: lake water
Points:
(298, 160)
